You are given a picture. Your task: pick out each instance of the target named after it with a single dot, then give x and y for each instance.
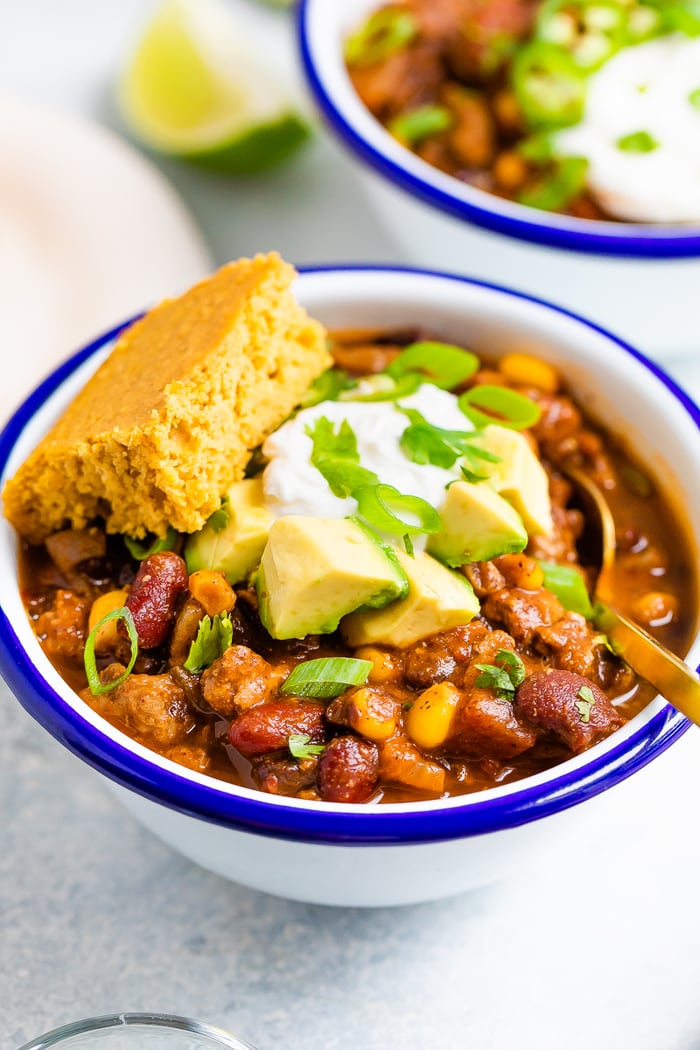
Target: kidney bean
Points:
(268, 727)
(553, 700)
(348, 770)
(159, 582)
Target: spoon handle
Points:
(675, 681)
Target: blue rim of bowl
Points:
(324, 823)
(631, 240)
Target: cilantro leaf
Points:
(585, 704)
(335, 456)
(422, 442)
(214, 636)
(300, 746)
(504, 675)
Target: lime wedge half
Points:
(192, 90)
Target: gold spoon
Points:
(650, 659)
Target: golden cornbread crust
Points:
(169, 420)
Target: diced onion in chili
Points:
(497, 404)
(326, 678)
(391, 511)
(96, 686)
(442, 364)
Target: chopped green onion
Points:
(408, 546)
(326, 678)
(382, 387)
(637, 142)
(140, 552)
(682, 16)
(390, 511)
(549, 86)
(300, 746)
(559, 187)
(415, 125)
(96, 686)
(327, 387)
(568, 585)
(385, 32)
(538, 147)
(442, 364)
(497, 404)
(694, 98)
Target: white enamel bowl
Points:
(638, 280)
(390, 854)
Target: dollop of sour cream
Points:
(646, 88)
(292, 485)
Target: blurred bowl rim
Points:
(366, 137)
(166, 1023)
(160, 780)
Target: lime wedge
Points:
(192, 90)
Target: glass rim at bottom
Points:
(171, 1022)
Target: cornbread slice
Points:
(168, 422)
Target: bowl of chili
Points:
(402, 845)
(399, 94)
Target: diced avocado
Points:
(315, 570)
(518, 476)
(237, 548)
(438, 599)
(477, 524)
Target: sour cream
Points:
(292, 485)
(646, 88)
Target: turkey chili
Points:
(393, 604)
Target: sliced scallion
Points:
(391, 511)
(140, 551)
(300, 746)
(442, 364)
(415, 125)
(568, 586)
(385, 32)
(498, 404)
(326, 678)
(96, 686)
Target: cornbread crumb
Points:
(169, 420)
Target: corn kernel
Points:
(384, 667)
(429, 719)
(372, 713)
(213, 591)
(529, 371)
(106, 638)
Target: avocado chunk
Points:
(477, 524)
(437, 600)
(315, 570)
(518, 476)
(237, 548)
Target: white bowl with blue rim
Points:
(375, 855)
(639, 280)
